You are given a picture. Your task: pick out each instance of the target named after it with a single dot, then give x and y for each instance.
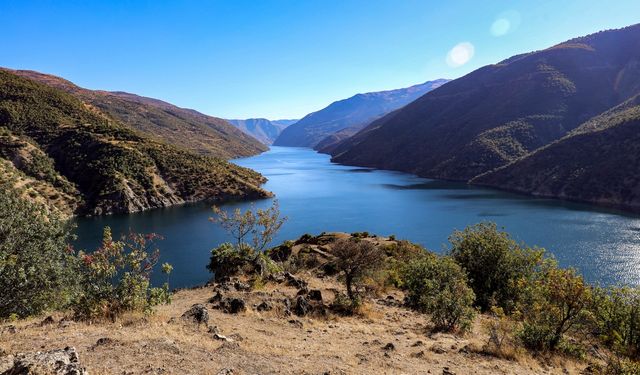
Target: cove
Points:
(317, 195)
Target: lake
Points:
(317, 195)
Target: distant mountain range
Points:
(265, 131)
(93, 152)
(182, 127)
(346, 117)
(562, 122)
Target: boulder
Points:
(315, 295)
(302, 306)
(198, 313)
(55, 362)
(264, 306)
(233, 305)
(294, 281)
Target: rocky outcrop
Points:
(53, 362)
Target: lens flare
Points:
(460, 54)
(505, 23)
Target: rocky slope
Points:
(505, 112)
(266, 131)
(160, 120)
(70, 151)
(355, 112)
(600, 162)
(282, 325)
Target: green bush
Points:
(616, 315)
(116, 278)
(37, 268)
(553, 304)
(494, 264)
(438, 286)
(356, 259)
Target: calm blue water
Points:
(318, 196)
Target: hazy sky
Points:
(282, 58)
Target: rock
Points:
(104, 341)
(287, 307)
(418, 343)
(213, 329)
(220, 337)
(236, 337)
(233, 305)
(240, 286)
(294, 281)
(276, 278)
(296, 323)
(55, 362)
(438, 349)
(216, 298)
(264, 306)
(198, 313)
(302, 306)
(389, 346)
(303, 291)
(315, 295)
(447, 371)
(48, 320)
(419, 354)
(226, 371)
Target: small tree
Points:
(438, 286)
(556, 301)
(116, 277)
(252, 231)
(37, 267)
(494, 264)
(356, 259)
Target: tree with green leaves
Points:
(252, 230)
(37, 267)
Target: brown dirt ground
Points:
(268, 343)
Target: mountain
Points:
(182, 127)
(509, 112)
(597, 162)
(265, 131)
(59, 149)
(355, 112)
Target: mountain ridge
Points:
(503, 112)
(264, 130)
(354, 112)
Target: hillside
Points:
(600, 163)
(68, 151)
(501, 113)
(355, 112)
(266, 131)
(182, 127)
(271, 331)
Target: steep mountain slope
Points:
(99, 164)
(178, 126)
(597, 162)
(266, 131)
(502, 112)
(355, 112)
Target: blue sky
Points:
(282, 58)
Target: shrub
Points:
(438, 286)
(355, 259)
(37, 268)
(246, 255)
(494, 264)
(555, 302)
(116, 278)
(616, 313)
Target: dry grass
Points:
(268, 343)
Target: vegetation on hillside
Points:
(552, 114)
(74, 146)
(40, 271)
(186, 128)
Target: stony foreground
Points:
(199, 333)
